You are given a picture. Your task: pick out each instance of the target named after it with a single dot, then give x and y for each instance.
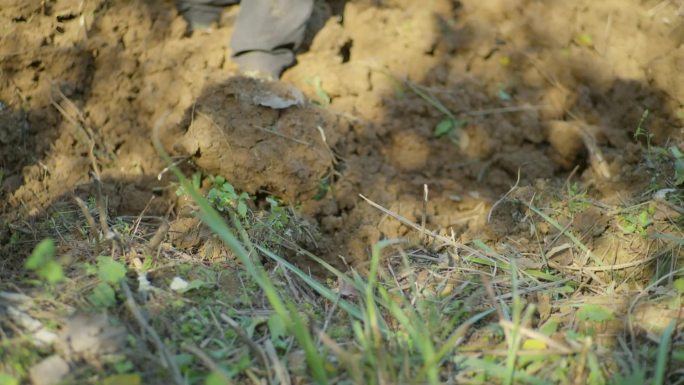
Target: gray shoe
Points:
(267, 65)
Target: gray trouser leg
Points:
(267, 32)
(201, 13)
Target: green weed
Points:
(42, 261)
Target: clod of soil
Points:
(234, 130)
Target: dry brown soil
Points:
(83, 81)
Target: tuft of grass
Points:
(284, 309)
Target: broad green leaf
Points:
(594, 312)
(227, 187)
(51, 272)
(102, 296)
(110, 270)
(219, 181)
(550, 327)
(42, 253)
(276, 326)
(278, 330)
(679, 285)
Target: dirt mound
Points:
(262, 136)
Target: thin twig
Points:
(529, 333)
(256, 350)
(618, 266)
(151, 248)
(156, 340)
(424, 213)
(515, 186)
(542, 286)
(208, 362)
(403, 220)
(276, 133)
(89, 218)
(279, 369)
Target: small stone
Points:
(49, 371)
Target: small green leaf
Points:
(147, 263)
(272, 202)
(110, 270)
(123, 366)
(550, 327)
(504, 95)
(594, 312)
(533, 344)
(320, 92)
(227, 187)
(194, 284)
(183, 359)
(573, 335)
(41, 254)
(51, 272)
(444, 127)
(644, 219)
(102, 296)
(215, 378)
(628, 227)
(276, 326)
(584, 39)
(679, 285)
(219, 181)
(679, 171)
(242, 209)
(323, 188)
(197, 180)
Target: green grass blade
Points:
(313, 358)
(321, 289)
(216, 223)
(663, 353)
(451, 342)
(568, 234)
(432, 100)
(499, 372)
